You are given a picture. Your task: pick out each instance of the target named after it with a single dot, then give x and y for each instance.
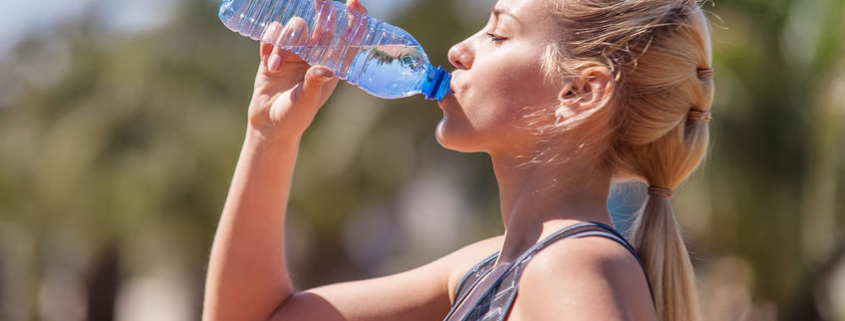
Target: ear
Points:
(590, 89)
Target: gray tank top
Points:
(498, 300)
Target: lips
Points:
(455, 83)
(449, 96)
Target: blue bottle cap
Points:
(437, 84)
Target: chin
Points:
(456, 138)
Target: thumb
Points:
(310, 92)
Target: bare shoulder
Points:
(589, 278)
(416, 294)
(467, 257)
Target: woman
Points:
(565, 96)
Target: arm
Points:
(247, 275)
(248, 280)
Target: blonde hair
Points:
(655, 50)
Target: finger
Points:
(310, 92)
(265, 50)
(358, 23)
(294, 35)
(277, 60)
(346, 48)
(291, 36)
(325, 23)
(271, 33)
(357, 29)
(268, 39)
(356, 5)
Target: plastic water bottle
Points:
(382, 59)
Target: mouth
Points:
(449, 96)
(452, 89)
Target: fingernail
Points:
(325, 74)
(275, 63)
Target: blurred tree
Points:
(117, 150)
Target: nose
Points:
(460, 55)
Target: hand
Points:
(288, 92)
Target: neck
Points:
(538, 199)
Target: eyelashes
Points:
(496, 38)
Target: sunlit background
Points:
(121, 122)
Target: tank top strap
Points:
(570, 231)
(499, 299)
(586, 229)
(473, 276)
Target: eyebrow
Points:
(504, 10)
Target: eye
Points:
(496, 38)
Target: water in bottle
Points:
(380, 58)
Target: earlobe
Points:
(564, 113)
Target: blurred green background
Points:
(121, 122)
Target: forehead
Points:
(529, 11)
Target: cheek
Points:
(515, 81)
(492, 101)
(508, 91)
(527, 84)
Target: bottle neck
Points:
(436, 84)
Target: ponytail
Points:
(660, 52)
(655, 232)
(656, 236)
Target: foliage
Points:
(128, 148)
